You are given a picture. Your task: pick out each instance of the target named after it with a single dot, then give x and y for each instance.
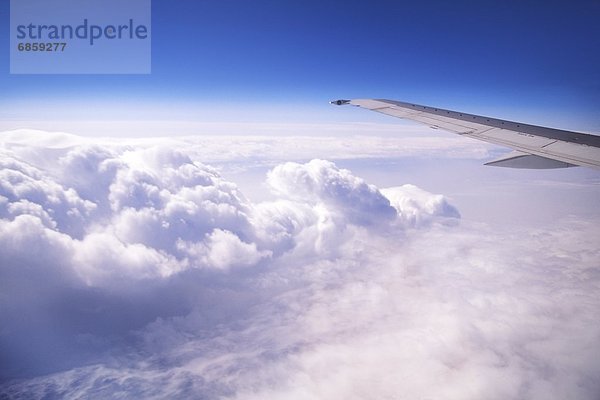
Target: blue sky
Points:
(538, 61)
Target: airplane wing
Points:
(535, 147)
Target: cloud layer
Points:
(138, 271)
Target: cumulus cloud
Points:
(416, 207)
(320, 181)
(223, 250)
(138, 271)
(24, 189)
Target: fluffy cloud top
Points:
(320, 181)
(138, 271)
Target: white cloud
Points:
(268, 145)
(320, 181)
(135, 270)
(223, 250)
(416, 207)
(29, 190)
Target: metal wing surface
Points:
(535, 146)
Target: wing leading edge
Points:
(535, 146)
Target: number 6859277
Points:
(50, 46)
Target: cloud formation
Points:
(138, 271)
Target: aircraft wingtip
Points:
(339, 102)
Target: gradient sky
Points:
(534, 61)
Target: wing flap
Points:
(517, 159)
(578, 154)
(509, 138)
